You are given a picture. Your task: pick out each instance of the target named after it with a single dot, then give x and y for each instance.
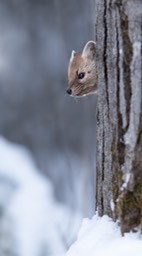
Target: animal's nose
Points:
(69, 91)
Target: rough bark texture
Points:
(118, 32)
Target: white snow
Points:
(100, 236)
(39, 225)
(112, 205)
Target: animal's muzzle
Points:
(69, 91)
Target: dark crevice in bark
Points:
(102, 204)
(103, 161)
(103, 157)
(99, 176)
(110, 4)
(127, 58)
(120, 145)
(105, 54)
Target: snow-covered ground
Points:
(32, 223)
(102, 237)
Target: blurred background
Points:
(47, 139)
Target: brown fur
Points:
(83, 63)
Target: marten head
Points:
(82, 74)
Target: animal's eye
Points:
(81, 75)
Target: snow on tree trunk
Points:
(118, 32)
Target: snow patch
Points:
(35, 223)
(112, 205)
(101, 236)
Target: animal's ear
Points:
(72, 55)
(89, 50)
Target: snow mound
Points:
(32, 223)
(100, 236)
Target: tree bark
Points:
(118, 32)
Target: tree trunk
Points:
(118, 31)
